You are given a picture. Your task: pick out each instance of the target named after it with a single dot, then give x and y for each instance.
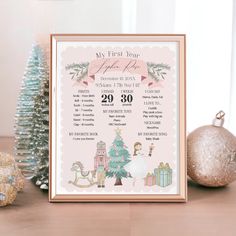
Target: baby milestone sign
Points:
(117, 118)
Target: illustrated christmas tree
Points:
(36, 72)
(119, 157)
(40, 136)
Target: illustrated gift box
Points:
(163, 175)
(150, 179)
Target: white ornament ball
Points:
(211, 153)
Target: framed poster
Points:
(117, 118)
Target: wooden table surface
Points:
(208, 212)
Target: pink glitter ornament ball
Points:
(211, 153)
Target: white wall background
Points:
(22, 22)
(148, 16)
(207, 23)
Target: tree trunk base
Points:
(118, 181)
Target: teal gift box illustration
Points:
(163, 175)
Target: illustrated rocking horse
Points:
(80, 173)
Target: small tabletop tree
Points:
(119, 157)
(36, 71)
(40, 135)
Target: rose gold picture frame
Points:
(56, 193)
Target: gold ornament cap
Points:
(219, 119)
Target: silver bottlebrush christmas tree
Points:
(35, 75)
(40, 136)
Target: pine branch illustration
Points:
(157, 71)
(78, 71)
